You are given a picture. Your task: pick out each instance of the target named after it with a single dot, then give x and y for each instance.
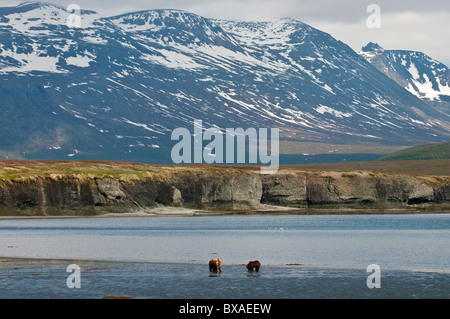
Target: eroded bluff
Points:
(219, 189)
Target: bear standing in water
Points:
(215, 264)
(253, 265)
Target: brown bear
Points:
(253, 265)
(215, 264)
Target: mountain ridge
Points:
(112, 92)
(421, 75)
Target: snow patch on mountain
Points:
(33, 61)
(273, 33)
(36, 18)
(172, 59)
(322, 109)
(82, 61)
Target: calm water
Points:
(302, 256)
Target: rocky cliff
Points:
(215, 189)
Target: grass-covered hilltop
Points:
(70, 188)
(422, 152)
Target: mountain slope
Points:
(116, 87)
(421, 75)
(422, 152)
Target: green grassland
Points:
(123, 171)
(23, 169)
(126, 171)
(439, 167)
(423, 152)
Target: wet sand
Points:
(167, 211)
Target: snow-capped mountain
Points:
(418, 73)
(116, 87)
(41, 18)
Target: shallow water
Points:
(420, 242)
(47, 280)
(302, 256)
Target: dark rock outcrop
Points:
(285, 189)
(367, 189)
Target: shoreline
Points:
(168, 211)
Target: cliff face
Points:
(352, 190)
(220, 189)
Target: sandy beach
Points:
(167, 211)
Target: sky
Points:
(417, 25)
